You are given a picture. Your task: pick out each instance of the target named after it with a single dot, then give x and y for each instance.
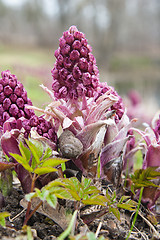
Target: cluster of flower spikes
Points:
(13, 98)
(75, 72)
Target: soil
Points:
(45, 228)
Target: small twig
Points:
(150, 225)
(142, 234)
(12, 219)
(98, 229)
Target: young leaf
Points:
(44, 170)
(96, 200)
(142, 178)
(130, 205)
(3, 215)
(29, 233)
(25, 152)
(31, 195)
(36, 151)
(86, 182)
(115, 211)
(123, 198)
(91, 190)
(52, 200)
(37, 145)
(62, 193)
(53, 162)
(47, 153)
(22, 161)
(70, 227)
(91, 236)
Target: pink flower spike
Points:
(74, 58)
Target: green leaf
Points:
(130, 205)
(37, 146)
(52, 200)
(142, 178)
(25, 152)
(3, 215)
(55, 183)
(108, 196)
(29, 196)
(42, 194)
(91, 236)
(44, 170)
(17, 157)
(47, 153)
(70, 227)
(115, 211)
(76, 183)
(113, 196)
(123, 198)
(63, 194)
(22, 161)
(36, 152)
(96, 200)
(53, 162)
(29, 233)
(86, 182)
(91, 190)
(63, 166)
(74, 194)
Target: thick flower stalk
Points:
(75, 72)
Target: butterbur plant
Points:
(92, 111)
(85, 127)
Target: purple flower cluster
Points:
(42, 127)
(75, 72)
(118, 106)
(13, 98)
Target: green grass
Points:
(36, 93)
(32, 66)
(27, 56)
(130, 63)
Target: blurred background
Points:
(124, 35)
